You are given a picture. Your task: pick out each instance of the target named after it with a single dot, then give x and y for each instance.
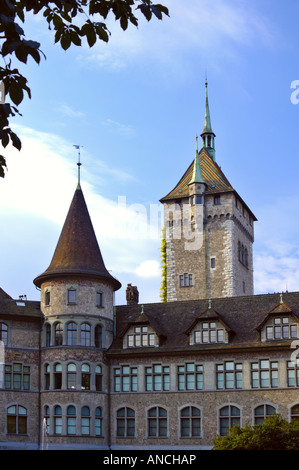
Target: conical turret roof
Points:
(77, 253)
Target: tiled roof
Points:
(241, 315)
(212, 174)
(77, 252)
(23, 308)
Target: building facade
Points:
(78, 372)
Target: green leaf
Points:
(2, 165)
(15, 140)
(65, 40)
(75, 38)
(16, 93)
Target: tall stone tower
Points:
(77, 296)
(209, 230)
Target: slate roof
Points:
(77, 252)
(241, 315)
(23, 308)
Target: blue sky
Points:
(136, 105)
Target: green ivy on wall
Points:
(163, 288)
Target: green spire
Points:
(197, 174)
(208, 126)
(207, 134)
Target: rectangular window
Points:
(190, 377)
(264, 374)
(71, 296)
(186, 280)
(125, 379)
(157, 378)
(99, 299)
(229, 375)
(213, 263)
(17, 377)
(293, 374)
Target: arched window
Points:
(85, 339)
(98, 421)
(157, 422)
(71, 339)
(57, 376)
(46, 422)
(228, 416)
(85, 377)
(98, 336)
(71, 376)
(58, 334)
(295, 413)
(261, 412)
(125, 422)
(85, 421)
(99, 378)
(57, 420)
(3, 333)
(16, 420)
(48, 334)
(190, 422)
(71, 420)
(47, 377)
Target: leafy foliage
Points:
(60, 16)
(163, 289)
(274, 434)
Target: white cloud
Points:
(36, 193)
(120, 128)
(149, 268)
(276, 260)
(195, 26)
(68, 111)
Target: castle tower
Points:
(209, 230)
(77, 297)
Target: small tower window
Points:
(47, 297)
(213, 263)
(217, 201)
(99, 299)
(71, 296)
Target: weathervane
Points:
(78, 147)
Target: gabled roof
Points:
(141, 318)
(212, 175)
(279, 309)
(208, 315)
(77, 252)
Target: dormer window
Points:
(281, 328)
(209, 333)
(140, 337)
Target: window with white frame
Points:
(141, 336)
(209, 332)
(281, 328)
